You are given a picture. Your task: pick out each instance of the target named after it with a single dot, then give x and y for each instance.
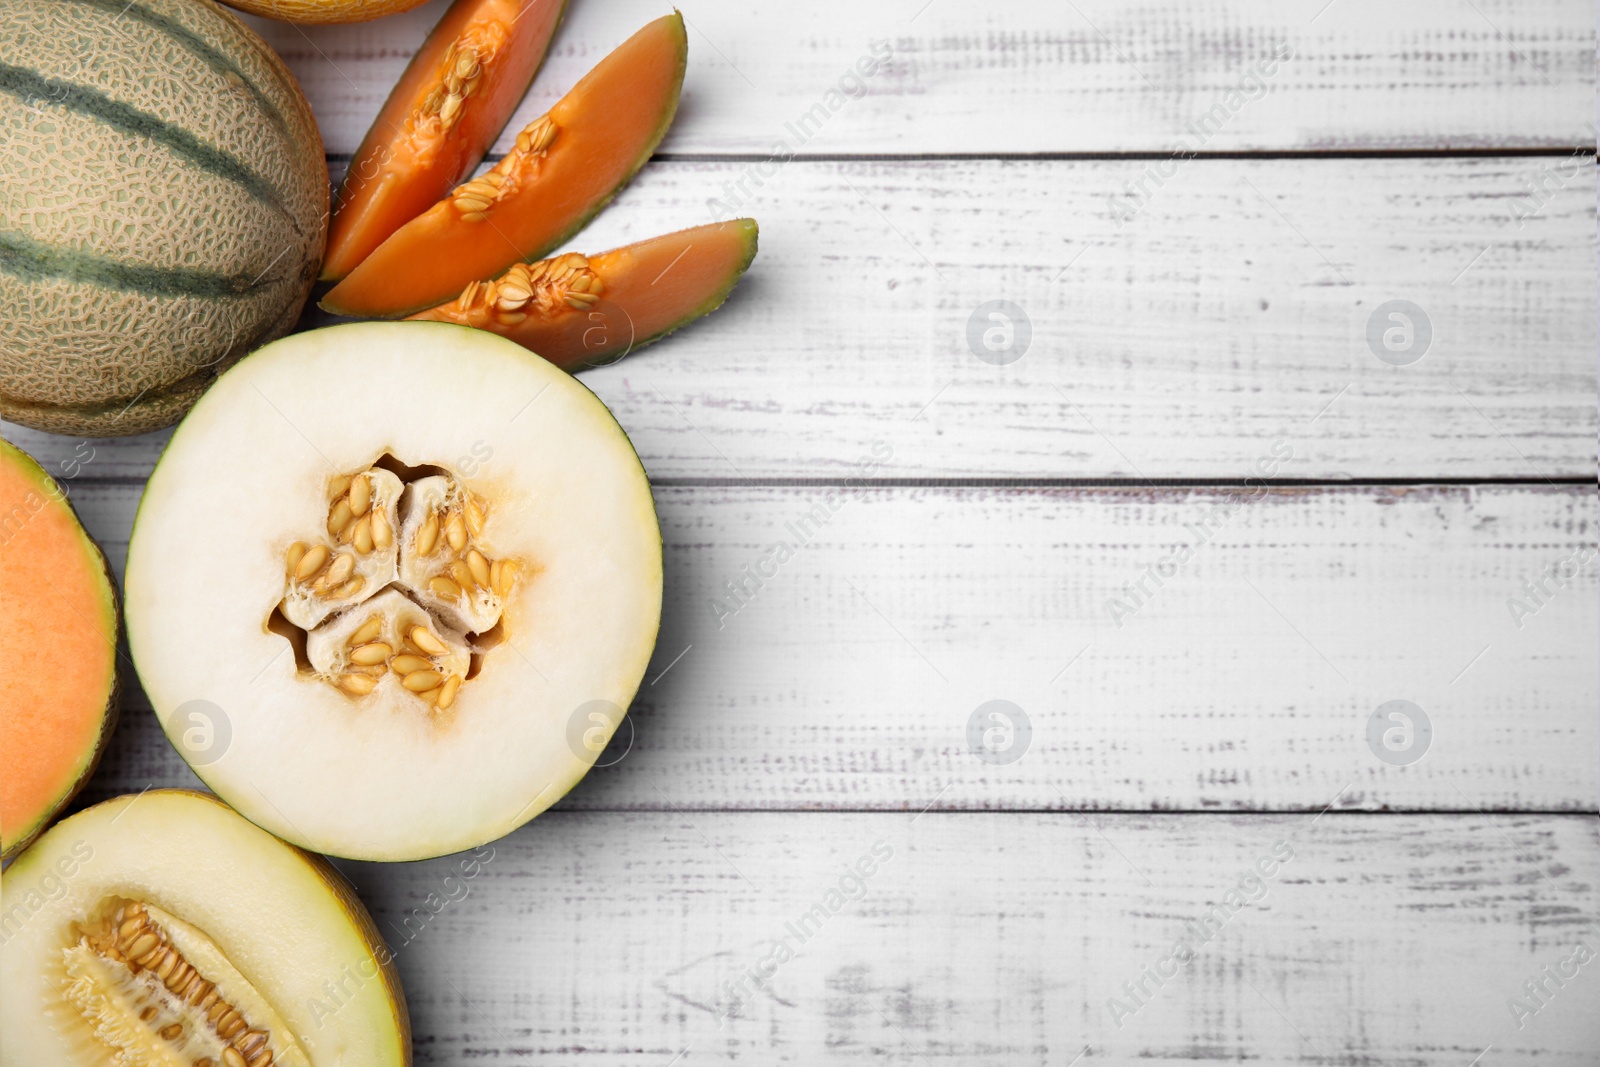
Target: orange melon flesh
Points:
(58, 649)
(647, 290)
(599, 135)
(412, 156)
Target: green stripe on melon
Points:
(163, 206)
(216, 60)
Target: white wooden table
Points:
(1421, 151)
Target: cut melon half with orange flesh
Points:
(577, 311)
(442, 116)
(565, 167)
(58, 650)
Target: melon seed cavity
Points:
(392, 588)
(155, 990)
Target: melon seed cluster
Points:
(183, 1013)
(463, 70)
(411, 559)
(566, 281)
(419, 657)
(473, 199)
(443, 556)
(361, 557)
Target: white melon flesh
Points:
(242, 939)
(333, 749)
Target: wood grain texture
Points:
(1088, 76)
(998, 939)
(1231, 311)
(1242, 680)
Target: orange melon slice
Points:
(566, 166)
(578, 311)
(442, 116)
(58, 650)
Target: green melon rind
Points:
(49, 488)
(534, 810)
(668, 113)
(751, 233)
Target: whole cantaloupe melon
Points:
(163, 207)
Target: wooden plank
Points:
(1000, 939)
(1242, 678)
(1230, 312)
(1090, 76)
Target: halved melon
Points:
(566, 166)
(578, 311)
(442, 116)
(58, 650)
(163, 929)
(401, 560)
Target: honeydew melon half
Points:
(163, 929)
(392, 585)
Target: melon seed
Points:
(362, 538)
(369, 629)
(447, 693)
(423, 638)
(507, 578)
(462, 574)
(338, 517)
(357, 684)
(350, 588)
(422, 681)
(479, 566)
(142, 946)
(382, 532)
(297, 552)
(360, 495)
(404, 665)
(231, 1057)
(342, 568)
(367, 655)
(312, 562)
(511, 297)
(170, 1031)
(455, 531)
(428, 535)
(444, 588)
